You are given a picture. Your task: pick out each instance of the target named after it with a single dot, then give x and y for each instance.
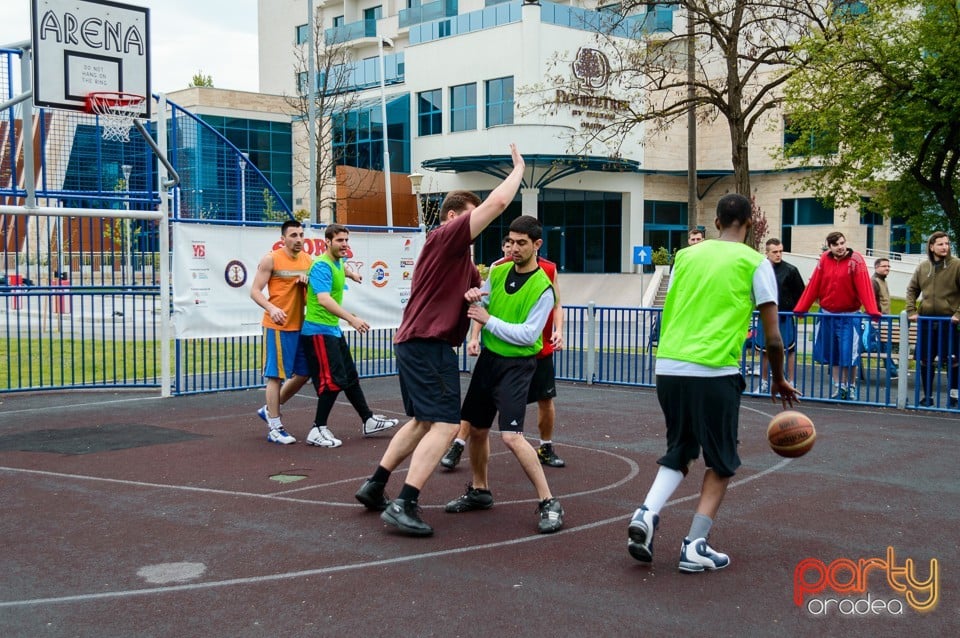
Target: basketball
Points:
(791, 434)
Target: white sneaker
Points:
(378, 423)
(764, 387)
(322, 437)
(280, 436)
(697, 556)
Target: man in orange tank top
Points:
(283, 272)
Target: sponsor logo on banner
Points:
(381, 274)
(235, 274)
(199, 250)
(406, 262)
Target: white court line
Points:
(338, 568)
(350, 566)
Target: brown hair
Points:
(457, 201)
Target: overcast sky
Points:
(216, 36)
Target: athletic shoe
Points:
(548, 456)
(452, 457)
(852, 393)
(262, 413)
(405, 516)
(322, 437)
(280, 436)
(371, 494)
(640, 534)
(551, 516)
(764, 387)
(839, 393)
(473, 499)
(696, 556)
(926, 402)
(378, 423)
(952, 403)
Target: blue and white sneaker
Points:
(696, 556)
(280, 436)
(640, 534)
(262, 413)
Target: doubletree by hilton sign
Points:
(592, 68)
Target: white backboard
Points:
(85, 46)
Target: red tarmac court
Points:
(124, 514)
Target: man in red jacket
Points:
(841, 282)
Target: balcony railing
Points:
(352, 31)
(427, 12)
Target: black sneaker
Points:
(548, 456)
(372, 496)
(452, 457)
(405, 516)
(926, 402)
(952, 404)
(551, 516)
(473, 499)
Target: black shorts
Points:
(701, 413)
(429, 380)
(499, 384)
(543, 385)
(331, 365)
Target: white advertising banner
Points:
(214, 266)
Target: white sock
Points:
(542, 442)
(274, 422)
(663, 487)
(460, 441)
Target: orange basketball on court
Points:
(791, 434)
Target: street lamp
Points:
(127, 169)
(243, 185)
(381, 40)
(415, 180)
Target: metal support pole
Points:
(386, 145)
(312, 110)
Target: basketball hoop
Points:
(117, 111)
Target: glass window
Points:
(338, 21)
(463, 107)
(805, 211)
(302, 33)
(429, 112)
(499, 101)
(373, 13)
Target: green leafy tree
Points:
(877, 111)
(199, 79)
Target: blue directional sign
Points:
(642, 255)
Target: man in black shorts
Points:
(434, 323)
(543, 387)
(698, 376)
(520, 301)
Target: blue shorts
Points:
(788, 332)
(429, 380)
(282, 356)
(836, 339)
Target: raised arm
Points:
(500, 198)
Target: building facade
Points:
(464, 78)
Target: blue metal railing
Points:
(352, 31)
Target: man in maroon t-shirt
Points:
(434, 323)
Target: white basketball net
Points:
(116, 112)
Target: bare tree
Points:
(335, 96)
